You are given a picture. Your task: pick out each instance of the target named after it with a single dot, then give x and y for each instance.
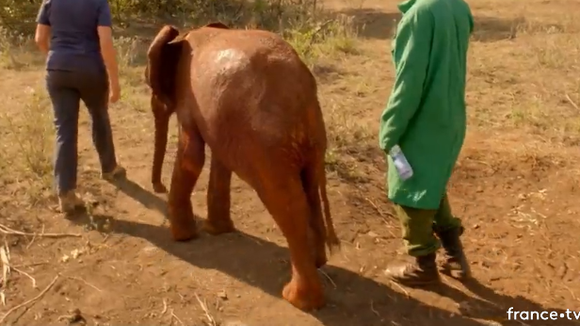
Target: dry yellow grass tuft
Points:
(26, 151)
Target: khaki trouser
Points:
(419, 226)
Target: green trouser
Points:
(418, 227)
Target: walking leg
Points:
(449, 229)
(65, 103)
(218, 199)
(285, 199)
(421, 244)
(188, 165)
(95, 95)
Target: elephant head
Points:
(161, 75)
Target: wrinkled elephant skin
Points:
(249, 97)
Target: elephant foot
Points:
(159, 188)
(184, 232)
(303, 295)
(218, 227)
(182, 224)
(320, 260)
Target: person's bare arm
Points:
(105, 31)
(108, 52)
(42, 35)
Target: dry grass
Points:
(527, 77)
(26, 156)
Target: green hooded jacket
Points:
(425, 114)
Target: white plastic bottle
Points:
(403, 167)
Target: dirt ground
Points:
(516, 188)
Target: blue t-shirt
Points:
(74, 43)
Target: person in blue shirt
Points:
(76, 36)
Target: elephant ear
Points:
(162, 62)
(217, 25)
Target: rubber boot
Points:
(422, 271)
(455, 263)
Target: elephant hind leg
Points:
(218, 199)
(188, 165)
(284, 197)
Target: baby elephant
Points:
(250, 98)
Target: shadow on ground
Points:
(144, 197)
(357, 300)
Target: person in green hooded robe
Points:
(425, 116)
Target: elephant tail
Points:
(332, 240)
(314, 183)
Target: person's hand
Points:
(115, 92)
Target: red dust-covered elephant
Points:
(249, 97)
